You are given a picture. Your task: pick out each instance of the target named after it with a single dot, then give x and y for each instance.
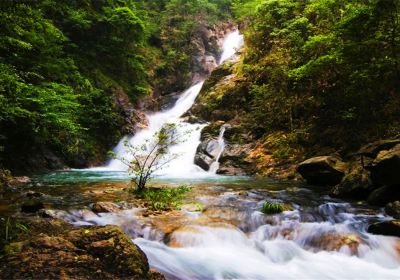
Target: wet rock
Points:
(391, 228)
(385, 168)
(206, 153)
(384, 195)
(86, 253)
(105, 207)
(322, 170)
(203, 160)
(393, 209)
(32, 206)
(355, 184)
(335, 242)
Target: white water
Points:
(243, 243)
(183, 165)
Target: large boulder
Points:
(391, 228)
(85, 253)
(322, 170)
(356, 183)
(207, 153)
(383, 195)
(386, 166)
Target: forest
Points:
(199, 139)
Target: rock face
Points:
(386, 228)
(86, 253)
(386, 166)
(322, 170)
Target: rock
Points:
(384, 195)
(393, 209)
(105, 207)
(19, 181)
(32, 206)
(372, 150)
(32, 194)
(391, 228)
(206, 153)
(86, 253)
(385, 168)
(322, 170)
(334, 242)
(203, 160)
(355, 184)
(230, 170)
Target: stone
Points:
(322, 170)
(373, 149)
(206, 153)
(393, 209)
(386, 166)
(391, 228)
(32, 206)
(85, 253)
(356, 183)
(203, 161)
(105, 207)
(384, 195)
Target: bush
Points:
(272, 208)
(166, 198)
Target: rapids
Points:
(229, 238)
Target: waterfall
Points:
(221, 145)
(182, 166)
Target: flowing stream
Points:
(228, 237)
(220, 233)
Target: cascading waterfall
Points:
(183, 165)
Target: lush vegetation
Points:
(160, 199)
(63, 65)
(316, 75)
(272, 208)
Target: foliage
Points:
(143, 161)
(272, 208)
(63, 65)
(160, 199)
(10, 230)
(327, 69)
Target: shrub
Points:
(272, 207)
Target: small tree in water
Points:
(143, 161)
